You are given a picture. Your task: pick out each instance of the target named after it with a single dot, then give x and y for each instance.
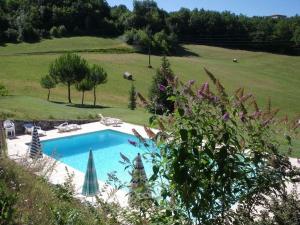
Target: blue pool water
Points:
(106, 145)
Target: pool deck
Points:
(18, 150)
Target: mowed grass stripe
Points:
(263, 74)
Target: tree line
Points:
(147, 26)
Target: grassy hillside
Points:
(28, 199)
(263, 74)
(64, 44)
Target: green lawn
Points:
(63, 44)
(263, 74)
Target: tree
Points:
(97, 76)
(296, 36)
(47, 82)
(83, 86)
(132, 97)
(142, 39)
(148, 41)
(69, 69)
(159, 93)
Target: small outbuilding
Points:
(127, 76)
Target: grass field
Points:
(263, 74)
(63, 44)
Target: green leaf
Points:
(168, 213)
(184, 134)
(171, 98)
(181, 111)
(124, 158)
(289, 139)
(155, 169)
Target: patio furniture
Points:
(9, 127)
(66, 127)
(107, 121)
(62, 127)
(29, 129)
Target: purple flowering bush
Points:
(217, 152)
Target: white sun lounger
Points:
(107, 121)
(66, 127)
(29, 129)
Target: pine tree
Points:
(132, 98)
(47, 82)
(158, 93)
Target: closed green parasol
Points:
(139, 189)
(90, 187)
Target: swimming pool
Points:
(106, 145)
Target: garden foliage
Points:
(216, 153)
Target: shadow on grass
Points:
(184, 52)
(180, 51)
(88, 106)
(57, 102)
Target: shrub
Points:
(132, 97)
(62, 31)
(3, 90)
(77, 31)
(12, 35)
(63, 215)
(28, 33)
(44, 33)
(54, 31)
(164, 43)
(130, 36)
(7, 202)
(159, 93)
(217, 151)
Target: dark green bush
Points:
(28, 33)
(7, 202)
(12, 35)
(62, 31)
(63, 215)
(62, 192)
(54, 31)
(3, 90)
(132, 97)
(158, 92)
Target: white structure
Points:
(29, 129)
(9, 127)
(127, 76)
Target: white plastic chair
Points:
(9, 127)
(29, 129)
